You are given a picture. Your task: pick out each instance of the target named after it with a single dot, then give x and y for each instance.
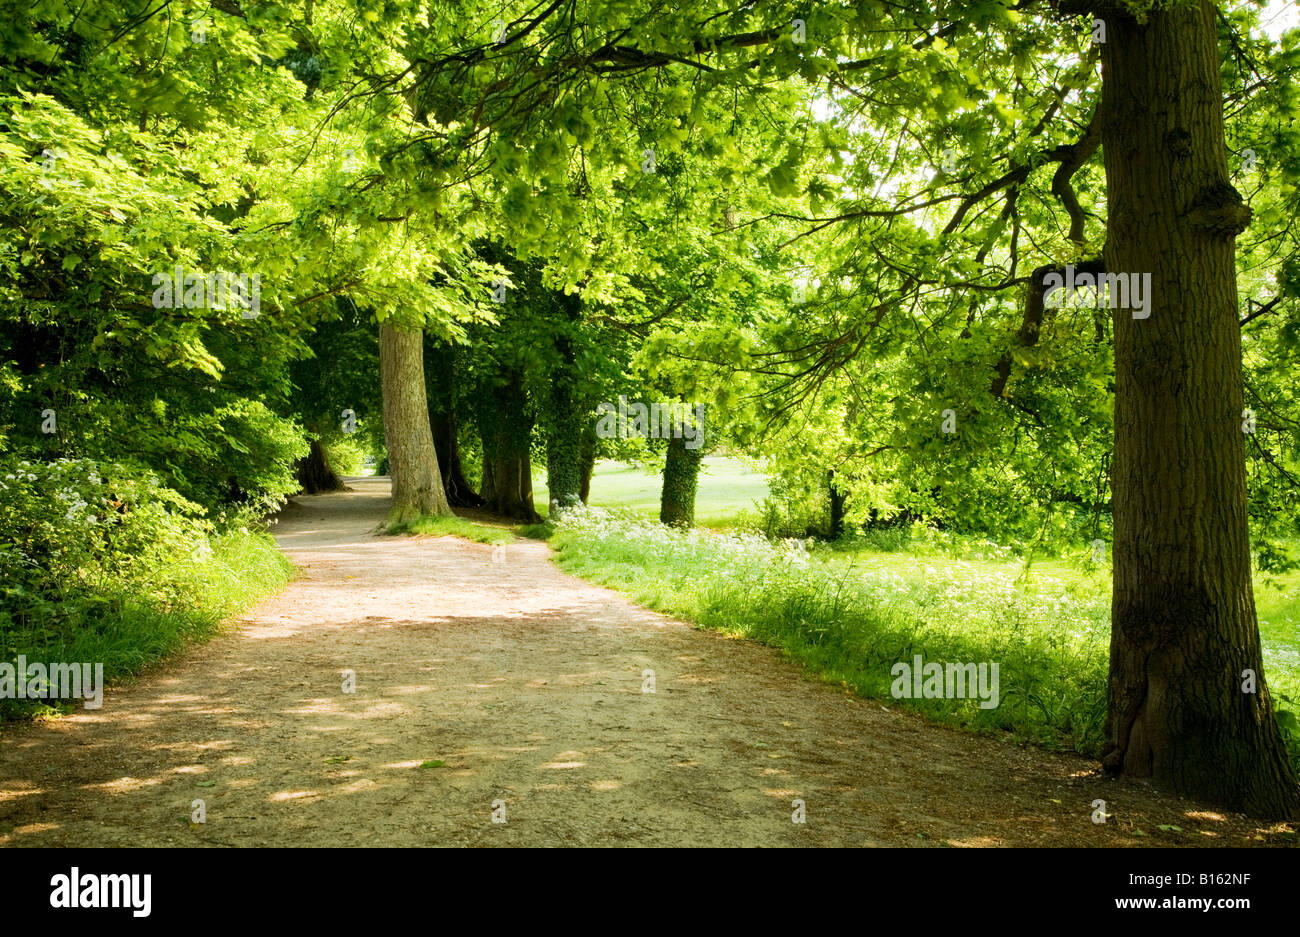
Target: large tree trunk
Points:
(564, 439)
(314, 471)
(442, 374)
(488, 486)
(505, 427)
(412, 461)
(460, 493)
(1184, 625)
(513, 476)
(586, 457)
(681, 478)
(564, 457)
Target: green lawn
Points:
(1277, 605)
(728, 487)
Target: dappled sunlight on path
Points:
(481, 683)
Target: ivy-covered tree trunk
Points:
(564, 456)
(681, 478)
(586, 456)
(412, 461)
(564, 439)
(506, 428)
(1184, 709)
(314, 471)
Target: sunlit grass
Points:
(853, 611)
(452, 526)
(192, 598)
(1277, 606)
(728, 489)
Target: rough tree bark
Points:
(564, 440)
(443, 377)
(446, 443)
(315, 473)
(1184, 627)
(412, 461)
(681, 479)
(505, 426)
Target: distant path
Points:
(527, 684)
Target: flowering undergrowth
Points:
(851, 614)
(101, 563)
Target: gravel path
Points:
(485, 680)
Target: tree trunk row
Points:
(1184, 635)
(412, 462)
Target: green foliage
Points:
(793, 511)
(78, 533)
(377, 162)
(101, 563)
(348, 454)
(129, 631)
(335, 387)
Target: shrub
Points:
(101, 563)
(75, 531)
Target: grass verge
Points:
(851, 615)
(129, 632)
(436, 526)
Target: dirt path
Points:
(527, 684)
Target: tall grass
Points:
(129, 630)
(851, 614)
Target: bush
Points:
(101, 563)
(347, 453)
(73, 531)
(794, 511)
(238, 462)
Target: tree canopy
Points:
(833, 225)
